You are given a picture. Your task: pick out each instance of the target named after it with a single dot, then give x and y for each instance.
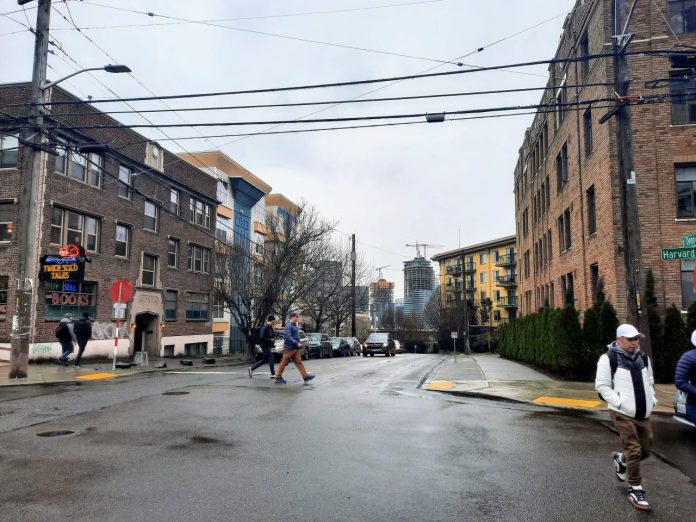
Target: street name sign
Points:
(689, 241)
(678, 253)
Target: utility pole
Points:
(29, 212)
(633, 258)
(352, 284)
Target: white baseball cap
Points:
(628, 330)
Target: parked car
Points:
(319, 345)
(277, 349)
(379, 343)
(397, 346)
(355, 345)
(340, 346)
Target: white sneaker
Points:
(251, 374)
(636, 496)
(619, 467)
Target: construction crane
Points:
(425, 246)
(379, 271)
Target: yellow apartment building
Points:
(484, 270)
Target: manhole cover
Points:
(175, 393)
(61, 433)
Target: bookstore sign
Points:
(67, 265)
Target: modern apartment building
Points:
(240, 220)
(481, 271)
(381, 301)
(137, 212)
(567, 179)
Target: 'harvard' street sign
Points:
(678, 253)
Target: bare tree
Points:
(251, 286)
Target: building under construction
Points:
(381, 301)
(419, 283)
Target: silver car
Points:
(277, 349)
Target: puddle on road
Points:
(58, 433)
(176, 393)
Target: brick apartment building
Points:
(567, 193)
(140, 212)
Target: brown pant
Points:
(293, 355)
(637, 437)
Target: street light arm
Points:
(107, 68)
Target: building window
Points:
(562, 168)
(4, 282)
(559, 113)
(484, 295)
(496, 315)
(526, 264)
(483, 277)
(7, 217)
(174, 199)
(173, 253)
(218, 307)
(591, 211)
(222, 225)
(687, 282)
(125, 175)
(567, 289)
(68, 227)
(86, 168)
(686, 191)
(483, 259)
(149, 270)
(584, 52)
(496, 275)
(525, 222)
(150, 220)
(199, 213)
(122, 248)
(199, 259)
(683, 95)
(587, 127)
(196, 307)
(594, 280)
(9, 146)
(682, 15)
(496, 256)
(568, 237)
(73, 298)
(222, 192)
(195, 349)
(170, 298)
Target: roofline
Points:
(470, 249)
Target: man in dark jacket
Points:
(266, 342)
(83, 333)
(685, 378)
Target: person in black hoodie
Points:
(266, 342)
(83, 333)
(685, 378)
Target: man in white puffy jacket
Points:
(625, 380)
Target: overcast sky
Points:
(445, 183)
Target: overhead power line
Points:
(360, 82)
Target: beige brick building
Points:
(567, 192)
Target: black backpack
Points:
(614, 364)
(82, 328)
(63, 332)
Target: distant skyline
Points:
(389, 185)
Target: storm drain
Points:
(61, 433)
(176, 393)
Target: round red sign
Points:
(123, 287)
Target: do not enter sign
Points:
(121, 288)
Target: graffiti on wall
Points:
(41, 348)
(102, 331)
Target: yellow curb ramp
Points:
(568, 403)
(96, 376)
(439, 385)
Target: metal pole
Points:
(118, 325)
(633, 259)
(352, 285)
(28, 226)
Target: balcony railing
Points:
(507, 281)
(454, 269)
(470, 288)
(506, 260)
(507, 302)
(469, 267)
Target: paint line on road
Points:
(96, 376)
(205, 373)
(559, 401)
(439, 385)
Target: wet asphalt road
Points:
(362, 442)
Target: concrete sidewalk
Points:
(491, 376)
(47, 373)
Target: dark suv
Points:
(319, 345)
(379, 343)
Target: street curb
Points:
(498, 398)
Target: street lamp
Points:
(115, 68)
